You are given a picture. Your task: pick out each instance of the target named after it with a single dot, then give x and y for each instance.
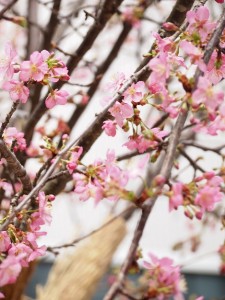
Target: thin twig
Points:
(15, 167)
(74, 242)
(217, 150)
(7, 7)
(192, 162)
(8, 117)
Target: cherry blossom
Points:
(199, 23)
(161, 68)
(177, 196)
(164, 278)
(109, 127)
(33, 69)
(215, 70)
(12, 135)
(17, 90)
(205, 94)
(121, 111)
(7, 61)
(56, 97)
(74, 158)
(135, 92)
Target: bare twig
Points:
(7, 7)
(74, 242)
(15, 167)
(8, 117)
(217, 150)
(192, 162)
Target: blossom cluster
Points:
(102, 179)
(18, 244)
(127, 115)
(164, 278)
(172, 60)
(198, 196)
(42, 67)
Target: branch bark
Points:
(15, 167)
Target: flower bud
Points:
(168, 26)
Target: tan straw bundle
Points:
(75, 277)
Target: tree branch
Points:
(7, 7)
(15, 167)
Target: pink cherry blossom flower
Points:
(42, 208)
(207, 197)
(199, 22)
(12, 135)
(33, 69)
(20, 250)
(116, 82)
(164, 277)
(17, 90)
(177, 196)
(88, 191)
(135, 92)
(161, 68)
(4, 241)
(210, 193)
(56, 98)
(74, 158)
(6, 62)
(130, 15)
(121, 111)
(109, 127)
(193, 52)
(215, 70)
(204, 94)
(158, 133)
(38, 252)
(10, 268)
(140, 143)
(57, 69)
(165, 44)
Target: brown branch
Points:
(100, 72)
(191, 161)
(33, 33)
(51, 26)
(217, 150)
(7, 7)
(127, 294)
(15, 167)
(8, 117)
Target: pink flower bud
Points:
(159, 180)
(170, 26)
(51, 197)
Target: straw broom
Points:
(76, 276)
